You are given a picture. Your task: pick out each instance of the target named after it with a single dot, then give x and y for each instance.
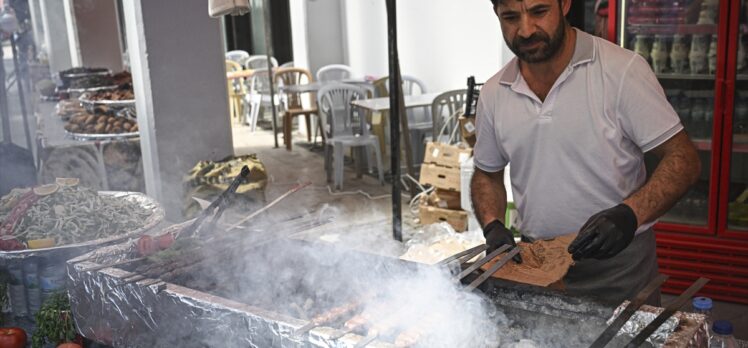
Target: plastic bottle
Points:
(698, 110)
(708, 117)
(33, 293)
(703, 305)
(17, 291)
(51, 277)
(722, 335)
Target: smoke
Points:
(302, 276)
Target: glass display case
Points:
(698, 49)
(682, 41)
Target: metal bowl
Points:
(157, 215)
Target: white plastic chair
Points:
(334, 72)
(259, 96)
(287, 65)
(443, 108)
(260, 62)
(419, 119)
(345, 128)
(238, 56)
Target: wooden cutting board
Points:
(545, 262)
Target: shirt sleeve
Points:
(647, 117)
(488, 154)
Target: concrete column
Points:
(37, 24)
(96, 40)
(179, 76)
(56, 35)
(71, 27)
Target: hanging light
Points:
(8, 21)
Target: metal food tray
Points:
(157, 215)
(89, 89)
(115, 104)
(102, 137)
(84, 74)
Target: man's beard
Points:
(548, 48)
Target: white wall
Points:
(325, 33)
(299, 32)
(441, 42)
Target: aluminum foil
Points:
(680, 330)
(76, 249)
(153, 313)
(169, 315)
(102, 137)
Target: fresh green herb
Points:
(54, 322)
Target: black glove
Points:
(605, 234)
(497, 235)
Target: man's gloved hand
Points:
(497, 235)
(605, 234)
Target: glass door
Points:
(734, 181)
(684, 43)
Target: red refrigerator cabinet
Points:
(697, 49)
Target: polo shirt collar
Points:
(584, 52)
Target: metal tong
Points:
(217, 207)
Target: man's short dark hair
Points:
(495, 2)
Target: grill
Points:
(258, 292)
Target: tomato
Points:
(165, 241)
(70, 345)
(12, 337)
(147, 246)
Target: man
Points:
(574, 114)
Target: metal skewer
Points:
(630, 309)
(481, 262)
(120, 263)
(667, 313)
(472, 252)
(366, 340)
(482, 278)
(274, 202)
(333, 314)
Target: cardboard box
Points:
(446, 155)
(444, 199)
(458, 219)
(467, 129)
(445, 178)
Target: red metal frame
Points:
(613, 20)
(685, 258)
(729, 96)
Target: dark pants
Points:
(620, 277)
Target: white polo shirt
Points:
(582, 149)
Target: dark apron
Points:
(620, 277)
